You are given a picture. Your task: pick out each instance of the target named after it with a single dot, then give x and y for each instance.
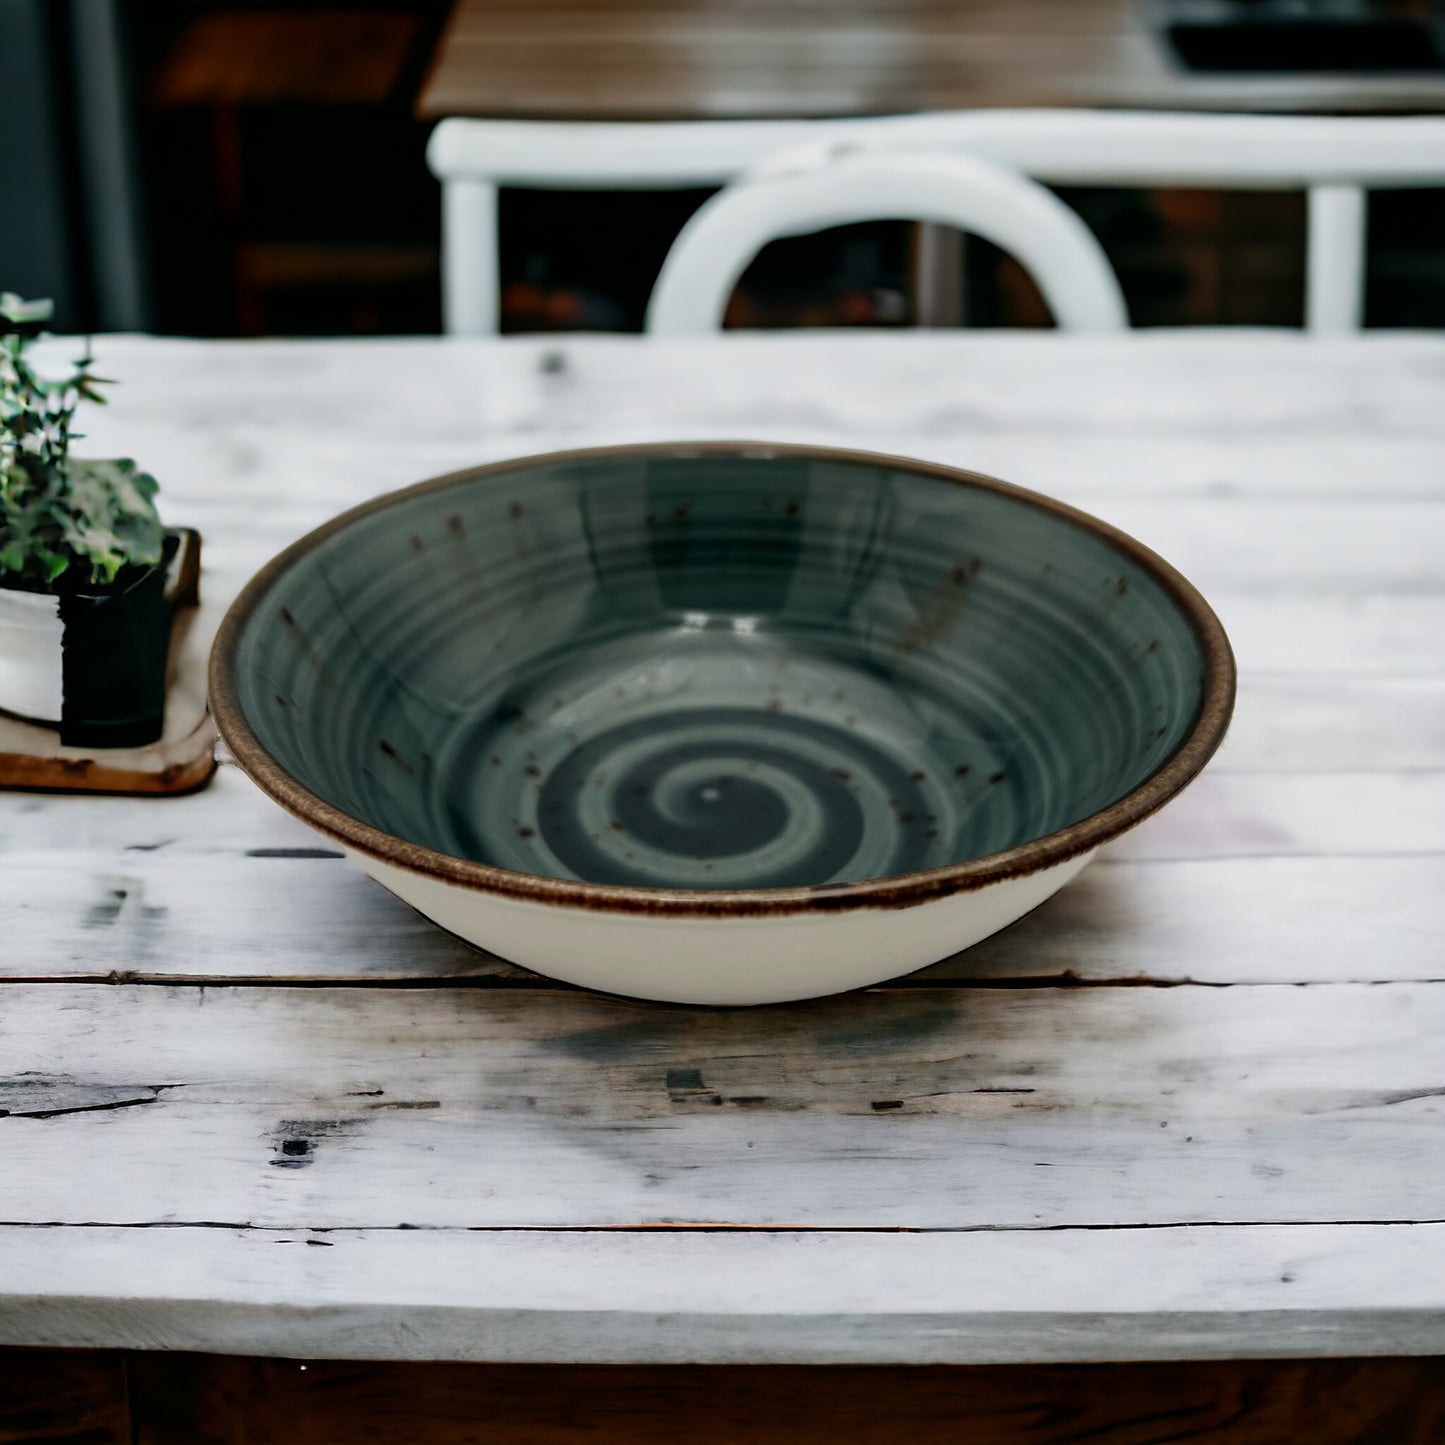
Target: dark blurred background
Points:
(258, 169)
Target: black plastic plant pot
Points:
(114, 656)
(113, 644)
(114, 649)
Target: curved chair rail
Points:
(800, 194)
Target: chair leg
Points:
(1335, 286)
(470, 260)
(937, 275)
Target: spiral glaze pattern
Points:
(718, 797)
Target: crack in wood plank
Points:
(717, 1227)
(44, 1097)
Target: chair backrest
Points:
(805, 191)
(1335, 158)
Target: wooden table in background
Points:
(711, 60)
(1190, 1110)
(732, 59)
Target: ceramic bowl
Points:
(720, 723)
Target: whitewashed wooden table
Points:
(1192, 1108)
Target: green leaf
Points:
(113, 520)
(56, 510)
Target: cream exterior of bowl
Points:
(719, 959)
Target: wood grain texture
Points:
(671, 59)
(1360, 810)
(204, 1400)
(688, 1296)
(126, 916)
(659, 61)
(64, 1397)
(1205, 414)
(930, 1109)
(1191, 1108)
(1338, 739)
(232, 58)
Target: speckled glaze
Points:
(721, 723)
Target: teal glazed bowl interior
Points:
(718, 669)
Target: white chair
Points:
(804, 191)
(1335, 158)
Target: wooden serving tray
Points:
(181, 760)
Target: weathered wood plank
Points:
(221, 916)
(749, 1297)
(1373, 636)
(215, 1400)
(1256, 545)
(1264, 815)
(935, 1108)
(1167, 413)
(1256, 920)
(233, 918)
(64, 1397)
(1296, 482)
(1224, 814)
(1316, 723)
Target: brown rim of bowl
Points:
(894, 891)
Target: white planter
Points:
(30, 658)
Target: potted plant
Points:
(85, 618)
